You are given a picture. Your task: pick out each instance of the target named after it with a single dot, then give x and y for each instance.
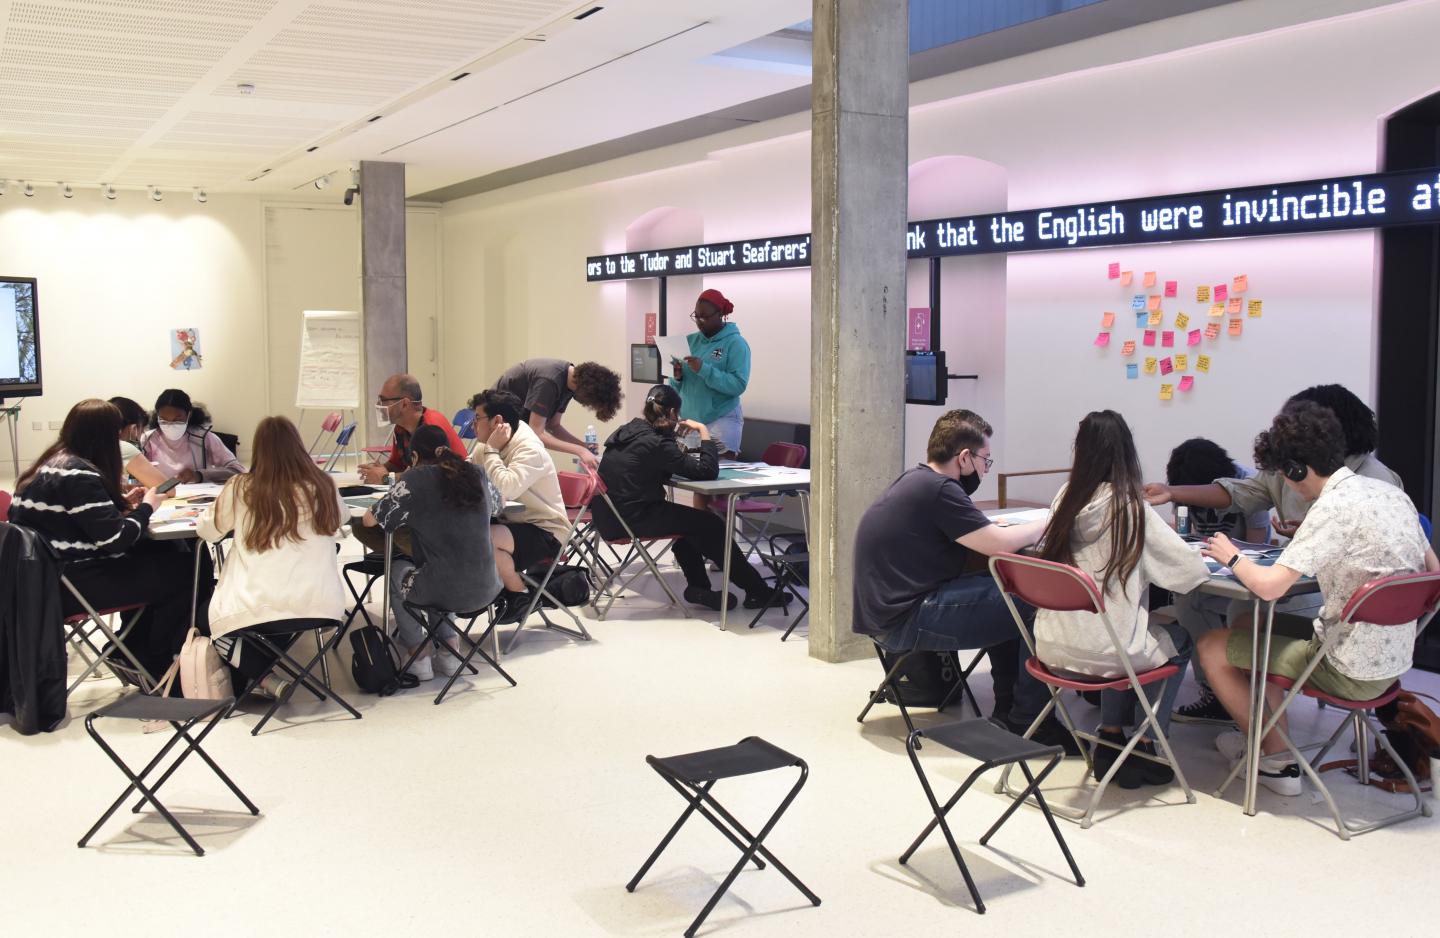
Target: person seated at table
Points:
(446, 503)
(1200, 461)
(1357, 529)
(182, 445)
(640, 458)
(71, 497)
(400, 404)
(911, 588)
(284, 514)
(517, 464)
(1099, 522)
(545, 387)
(136, 466)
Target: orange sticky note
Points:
(1155, 318)
(1128, 348)
(1182, 362)
(1181, 320)
(1153, 303)
(1212, 330)
(1233, 307)
(1127, 277)
(1172, 287)
(1217, 310)
(1235, 325)
(1187, 382)
(1240, 284)
(1149, 366)
(1103, 339)
(1114, 272)
(1149, 278)
(1254, 309)
(1166, 392)
(1202, 363)
(1107, 320)
(1202, 294)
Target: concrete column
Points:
(859, 157)
(382, 282)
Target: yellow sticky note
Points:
(1217, 310)
(1202, 294)
(1181, 320)
(1167, 391)
(1182, 363)
(1150, 364)
(1255, 309)
(1127, 277)
(1149, 278)
(1155, 318)
(1233, 307)
(1235, 325)
(1153, 303)
(1107, 320)
(1240, 284)
(1202, 363)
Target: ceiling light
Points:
(460, 76)
(155, 194)
(323, 181)
(373, 119)
(245, 87)
(67, 190)
(29, 190)
(201, 197)
(590, 12)
(108, 189)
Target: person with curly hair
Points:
(546, 386)
(1357, 529)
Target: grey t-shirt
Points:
(542, 384)
(455, 562)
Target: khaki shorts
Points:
(1289, 656)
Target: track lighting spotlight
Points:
(155, 194)
(108, 189)
(67, 190)
(29, 190)
(323, 181)
(201, 197)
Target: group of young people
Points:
(918, 584)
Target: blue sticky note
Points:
(1142, 319)
(1138, 301)
(1132, 371)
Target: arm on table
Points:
(994, 539)
(1267, 583)
(1200, 496)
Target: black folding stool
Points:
(694, 774)
(181, 714)
(787, 580)
(297, 675)
(372, 567)
(470, 646)
(991, 746)
(890, 688)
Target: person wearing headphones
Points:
(712, 378)
(640, 458)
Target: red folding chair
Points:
(1393, 601)
(329, 425)
(1061, 588)
(576, 490)
(4, 505)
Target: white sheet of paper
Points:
(187, 489)
(672, 347)
(1020, 517)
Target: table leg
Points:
(729, 544)
(385, 592)
(1260, 661)
(199, 545)
(805, 515)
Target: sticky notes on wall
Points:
(1217, 310)
(1187, 382)
(1202, 294)
(1149, 366)
(1255, 307)
(1202, 363)
(1166, 365)
(1167, 339)
(1149, 278)
(1141, 318)
(1107, 321)
(1182, 363)
(1114, 272)
(1166, 392)
(1153, 303)
(1137, 301)
(1172, 287)
(1240, 284)
(1233, 307)
(1193, 338)
(1149, 337)
(1181, 321)
(1153, 319)
(1235, 325)
(1127, 277)
(1221, 292)
(1128, 348)
(1103, 339)
(1132, 371)
(1212, 330)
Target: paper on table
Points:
(1021, 517)
(187, 489)
(167, 514)
(673, 347)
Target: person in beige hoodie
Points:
(1101, 524)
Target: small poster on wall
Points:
(185, 349)
(917, 337)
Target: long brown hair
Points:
(1104, 452)
(92, 432)
(284, 488)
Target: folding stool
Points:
(297, 675)
(889, 688)
(471, 646)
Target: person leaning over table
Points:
(400, 404)
(715, 374)
(136, 465)
(517, 464)
(546, 386)
(182, 445)
(1357, 529)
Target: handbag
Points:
(1413, 730)
(375, 664)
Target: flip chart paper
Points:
(1107, 321)
(1202, 363)
(1187, 382)
(1202, 294)
(1149, 278)
(1102, 339)
(1114, 272)
(1255, 308)
(1172, 287)
(1167, 339)
(1166, 392)
(1128, 348)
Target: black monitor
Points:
(645, 364)
(19, 338)
(925, 378)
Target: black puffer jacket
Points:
(639, 460)
(32, 643)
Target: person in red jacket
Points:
(399, 403)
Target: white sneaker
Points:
(444, 663)
(423, 669)
(1231, 745)
(1281, 774)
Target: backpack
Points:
(375, 665)
(570, 585)
(203, 676)
(926, 679)
(1413, 730)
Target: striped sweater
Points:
(66, 504)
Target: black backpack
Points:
(376, 663)
(570, 585)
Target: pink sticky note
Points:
(1187, 382)
(1149, 336)
(1107, 320)
(1153, 303)
(1167, 339)
(1127, 277)
(1240, 284)
(1102, 339)
(1166, 366)
(1149, 278)
(1172, 287)
(1193, 338)
(1221, 292)
(1114, 273)
(1128, 348)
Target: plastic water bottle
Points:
(1182, 521)
(592, 440)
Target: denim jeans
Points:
(407, 627)
(1120, 708)
(969, 612)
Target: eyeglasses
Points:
(988, 461)
(390, 400)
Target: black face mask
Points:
(970, 483)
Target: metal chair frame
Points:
(471, 646)
(299, 675)
(961, 687)
(637, 547)
(787, 580)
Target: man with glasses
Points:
(714, 375)
(399, 405)
(912, 591)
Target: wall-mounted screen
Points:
(925, 378)
(19, 338)
(644, 364)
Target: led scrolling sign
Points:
(1346, 202)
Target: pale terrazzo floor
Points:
(524, 811)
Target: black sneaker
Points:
(510, 607)
(1207, 710)
(1130, 775)
(710, 599)
(768, 598)
(1049, 733)
(1153, 772)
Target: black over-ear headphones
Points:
(1294, 470)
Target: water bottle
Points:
(592, 440)
(1182, 521)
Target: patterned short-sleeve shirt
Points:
(1359, 530)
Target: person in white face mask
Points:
(181, 445)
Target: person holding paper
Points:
(546, 386)
(715, 373)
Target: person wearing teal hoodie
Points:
(713, 377)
